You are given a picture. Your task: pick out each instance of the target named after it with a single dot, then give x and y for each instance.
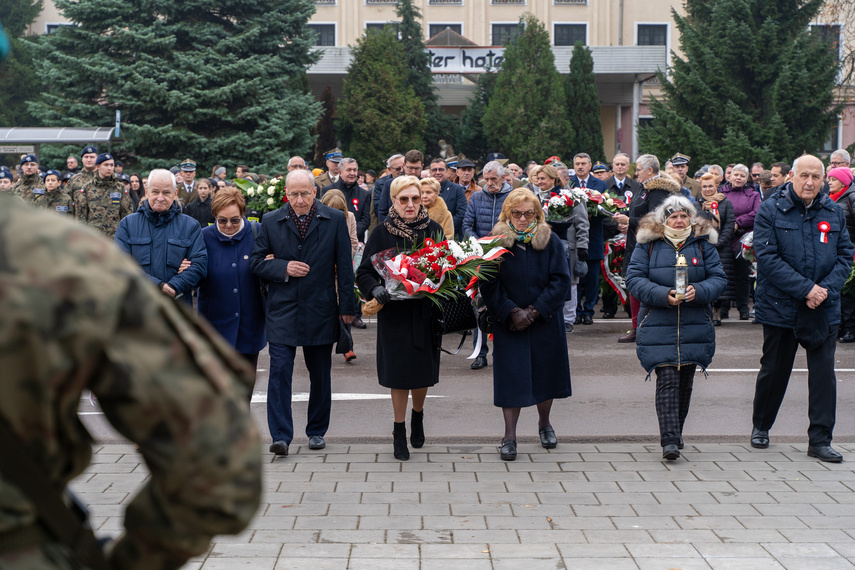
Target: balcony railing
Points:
(517, 2)
(445, 2)
(325, 2)
(581, 2)
(374, 2)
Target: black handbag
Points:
(455, 315)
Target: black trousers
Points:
(847, 312)
(776, 365)
(673, 395)
(741, 283)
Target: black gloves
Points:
(582, 254)
(381, 295)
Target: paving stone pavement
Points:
(603, 506)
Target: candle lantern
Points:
(681, 277)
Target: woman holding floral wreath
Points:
(525, 299)
(407, 357)
(675, 330)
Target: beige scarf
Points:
(677, 237)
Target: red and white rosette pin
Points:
(714, 206)
(824, 227)
(356, 204)
(628, 195)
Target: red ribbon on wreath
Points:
(824, 227)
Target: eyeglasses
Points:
(437, 170)
(410, 199)
(838, 163)
(396, 168)
(516, 214)
(225, 221)
(303, 195)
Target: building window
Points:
(377, 27)
(52, 28)
(324, 34)
(520, 2)
(503, 34)
(434, 29)
(569, 34)
(445, 2)
(832, 143)
(829, 33)
(645, 122)
(652, 34)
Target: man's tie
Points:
(583, 185)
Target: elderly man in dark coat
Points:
(311, 248)
(803, 258)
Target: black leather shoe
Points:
(508, 450)
(743, 315)
(480, 362)
(825, 453)
(587, 320)
(759, 438)
(848, 336)
(357, 322)
(608, 315)
(547, 438)
(627, 338)
(279, 448)
(716, 323)
(577, 320)
(417, 429)
(670, 452)
(317, 442)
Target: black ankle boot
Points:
(417, 429)
(399, 434)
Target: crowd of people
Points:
(288, 281)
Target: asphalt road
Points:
(610, 402)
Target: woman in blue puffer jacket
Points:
(674, 336)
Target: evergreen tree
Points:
(472, 138)
(17, 73)
(439, 125)
(220, 81)
(755, 85)
(583, 104)
(380, 112)
(325, 129)
(527, 113)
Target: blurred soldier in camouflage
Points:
(54, 197)
(103, 202)
(75, 315)
(30, 179)
(85, 176)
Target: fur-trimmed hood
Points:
(650, 230)
(538, 242)
(663, 182)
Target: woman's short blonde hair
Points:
(707, 176)
(549, 170)
(433, 183)
(516, 198)
(227, 197)
(334, 199)
(402, 182)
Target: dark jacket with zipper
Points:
(683, 334)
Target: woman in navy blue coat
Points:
(230, 296)
(526, 301)
(674, 336)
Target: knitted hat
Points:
(841, 173)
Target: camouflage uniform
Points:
(76, 314)
(57, 201)
(76, 184)
(25, 186)
(102, 203)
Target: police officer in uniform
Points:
(333, 157)
(103, 202)
(85, 176)
(75, 315)
(54, 197)
(30, 180)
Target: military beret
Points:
(599, 167)
(188, 165)
(53, 173)
(68, 176)
(124, 177)
(680, 159)
(104, 156)
(5, 174)
(29, 158)
(89, 150)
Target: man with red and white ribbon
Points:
(803, 256)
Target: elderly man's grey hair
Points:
(741, 168)
(646, 161)
(716, 169)
(842, 155)
(675, 204)
(295, 175)
(346, 161)
(161, 174)
(393, 157)
(796, 164)
(623, 154)
(494, 166)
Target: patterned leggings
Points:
(673, 394)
